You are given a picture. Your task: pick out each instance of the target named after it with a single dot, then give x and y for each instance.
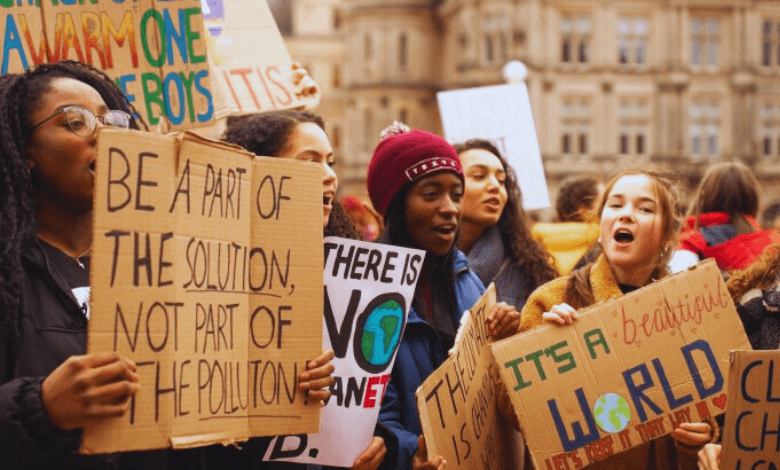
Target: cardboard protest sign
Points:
(155, 50)
(206, 271)
(501, 114)
(251, 67)
(750, 438)
(628, 371)
(457, 403)
(368, 292)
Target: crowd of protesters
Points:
(460, 204)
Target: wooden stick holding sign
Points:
(628, 371)
(457, 403)
(207, 272)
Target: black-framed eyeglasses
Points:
(83, 121)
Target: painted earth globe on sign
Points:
(381, 333)
(612, 412)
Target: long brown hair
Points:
(731, 188)
(579, 293)
(760, 274)
(525, 251)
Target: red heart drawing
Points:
(660, 303)
(717, 315)
(614, 335)
(706, 286)
(614, 313)
(638, 343)
(672, 332)
(720, 401)
(636, 300)
(693, 330)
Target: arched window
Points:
(368, 130)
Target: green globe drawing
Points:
(612, 412)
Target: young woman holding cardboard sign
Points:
(638, 227)
(49, 387)
(301, 136)
(756, 293)
(415, 180)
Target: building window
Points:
(336, 76)
(770, 50)
(770, 128)
(402, 50)
(368, 47)
(575, 39)
(705, 37)
(368, 130)
(575, 126)
(335, 137)
(705, 129)
(634, 119)
(632, 40)
(496, 29)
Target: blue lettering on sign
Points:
(705, 348)
(580, 438)
(638, 391)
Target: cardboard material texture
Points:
(206, 270)
(457, 403)
(249, 61)
(501, 114)
(628, 371)
(154, 50)
(750, 436)
(368, 293)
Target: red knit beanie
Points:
(403, 157)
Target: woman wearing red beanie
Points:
(416, 181)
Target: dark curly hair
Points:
(269, 135)
(575, 193)
(20, 96)
(527, 253)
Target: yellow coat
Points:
(567, 242)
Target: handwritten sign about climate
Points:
(154, 50)
(368, 292)
(251, 67)
(628, 371)
(457, 403)
(751, 436)
(207, 272)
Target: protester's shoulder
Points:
(542, 300)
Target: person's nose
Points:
(328, 175)
(627, 213)
(450, 207)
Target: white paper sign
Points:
(368, 294)
(500, 114)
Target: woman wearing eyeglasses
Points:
(49, 388)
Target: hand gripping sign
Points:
(368, 292)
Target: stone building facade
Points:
(672, 83)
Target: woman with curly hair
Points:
(49, 387)
(301, 136)
(494, 234)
